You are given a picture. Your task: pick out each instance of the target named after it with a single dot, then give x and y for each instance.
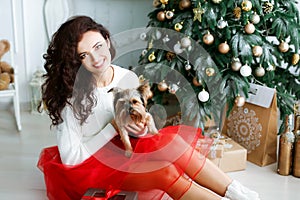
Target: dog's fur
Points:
(130, 108)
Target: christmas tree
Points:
(249, 41)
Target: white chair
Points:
(13, 91)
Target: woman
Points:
(89, 153)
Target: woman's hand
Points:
(137, 129)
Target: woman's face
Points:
(93, 50)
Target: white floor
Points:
(20, 179)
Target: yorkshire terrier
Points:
(130, 108)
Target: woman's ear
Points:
(108, 42)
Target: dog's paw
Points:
(128, 153)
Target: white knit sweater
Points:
(76, 143)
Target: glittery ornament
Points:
(177, 48)
(255, 19)
(162, 86)
(151, 57)
(144, 52)
(169, 14)
(208, 38)
(198, 11)
(166, 39)
(239, 101)
(259, 71)
(203, 96)
(246, 70)
(185, 42)
(237, 12)
(173, 88)
(161, 16)
(223, 48)
(178, 26)
(210, 71)
(221, 23)
(170, 55)
(236, 64)
(246, 5)
(257, 51)
(267, 7)
(295, 59)
(283, 47)
(249, 28)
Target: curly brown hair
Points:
(65, 78)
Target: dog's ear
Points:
(145, 91)
(114, 90)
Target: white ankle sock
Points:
(236, 191)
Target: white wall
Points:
(28, 35)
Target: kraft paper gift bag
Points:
(254, 125)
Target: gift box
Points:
(100, 194)
(233, 158)
(227, 154)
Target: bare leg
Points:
(169, 180)
(210, 176)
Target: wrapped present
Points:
(234, 156)
(100, 194)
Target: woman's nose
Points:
(94, 57)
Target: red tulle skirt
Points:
(108, 167)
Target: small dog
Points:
(130, 108)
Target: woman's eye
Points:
(82, 56)
(99, 46)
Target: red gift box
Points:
(100, 194)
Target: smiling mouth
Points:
(99, 65)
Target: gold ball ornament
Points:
(162, 86)
(236, 64)
(178, 26)
(257, 51)
(283, 47)
(217, 1)
(203, 96)
(151, 57)
(196, 82)
(164, 1)
(161, 16)
(183, 4)
(169, 14)
(260, 71)
(210, 71)
(249, 28)
(246, 5)
(295, 59)
(239, 101)
(156, 3)
(223, 48)
(208, 38)
(185, 42)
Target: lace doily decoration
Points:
(243, 127)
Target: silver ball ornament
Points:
(203, 96)
(246, 70)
